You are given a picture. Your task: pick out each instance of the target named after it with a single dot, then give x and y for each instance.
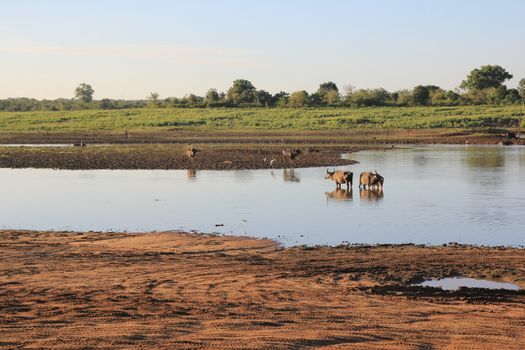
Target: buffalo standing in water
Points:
(340, 177)
(371, 179)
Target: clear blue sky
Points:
(127, 49)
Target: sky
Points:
(130, 48)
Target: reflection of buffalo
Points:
(289, 175)
(340, 177)
(192, 173)
(371, 195)
(371, 180)
(340, 194)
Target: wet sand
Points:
(66, 290)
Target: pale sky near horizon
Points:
(127, 49)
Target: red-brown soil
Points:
(190, 291)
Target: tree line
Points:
(482, 86)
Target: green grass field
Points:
(264, 119)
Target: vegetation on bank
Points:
(483, 86)
(264, 118)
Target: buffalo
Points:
(291, 154)
(371, 179)
(191, 152)
(340, 177)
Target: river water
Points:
(432, 195)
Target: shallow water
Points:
(454, 283)
(432, 195)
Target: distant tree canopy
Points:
(486, 77)
(521, 88)
(212, 96)
(153, 100)
(84, 92)
(241, 92)
(421, 95)
(298, 99)
(483, 85)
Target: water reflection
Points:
(192, 174)
(290, 175)
(340, 194)
(493, 157)
(371, 195)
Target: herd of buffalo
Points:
(367, 180)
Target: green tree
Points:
(331, 97)
(241, 92)
(486, 77)
(420, 95)
(280, 99)
(171, 102)
(328, 90)
(153, 100)
(84, 92)
(315, 99)
(512, 96)
(212, 97)
(263, 98)
(365, 97)
(193, 100)
(404, 97)
(298, 99)
(521, 88)
(106, 103)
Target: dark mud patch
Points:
(169, 157)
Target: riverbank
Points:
(218, 149)
(178, 290)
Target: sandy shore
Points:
(188, 291)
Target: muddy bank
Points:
(179, 290)
(163, 156)
(219, 149)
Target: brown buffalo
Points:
(340, 177)
(291, 154)
(191, 152)
(371, 179)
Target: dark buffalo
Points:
(371, 179)
(291, 154)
